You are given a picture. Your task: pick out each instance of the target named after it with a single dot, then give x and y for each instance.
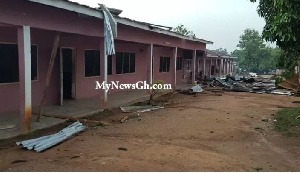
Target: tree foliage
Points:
(222, 51)
(253, 55)
(181, 29)
(282, 19)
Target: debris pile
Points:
(291, 84)
(46, 142)
(254, 85)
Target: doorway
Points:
(67, 73)
(213, 68)
(188, 70)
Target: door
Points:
(67, 74)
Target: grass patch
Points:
(257, 169)
(288, 121)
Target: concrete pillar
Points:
(194, 66)
(219, 67)
(175, 68)
(231, 66)
(104, 70)
(24, 51)
(150, 61)
(204, 68)
(228, 66)
(225, 66)
(211, 62)
(198, 65)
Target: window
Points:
(179, 63)
(125, 63)
(92, 63)
(109, 65)
(34, 62)
(164, 65)
(9, 63)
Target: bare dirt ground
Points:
(204, 133)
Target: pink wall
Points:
(167, 77)
(81, 33)
(85, 86)
(9, 93)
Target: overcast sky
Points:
(220, 21)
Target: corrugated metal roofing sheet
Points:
(46, 142)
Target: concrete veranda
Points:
(73, 108)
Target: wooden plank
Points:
(49, 73)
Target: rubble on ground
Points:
(258, 85)
(197, 89)
(291, 84)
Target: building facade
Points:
(29, 30)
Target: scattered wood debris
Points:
(124, 119)
(18, 161)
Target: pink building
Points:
(217, 64)
(28, 29)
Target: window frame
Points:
(99, 63)
(168, 65)
(37, 63)
(181, 63)
(123, 64)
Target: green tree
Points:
(253, 55)
(282, 19)
(251, 45)
(181, 29)
(222, 51)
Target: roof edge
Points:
(86, 10)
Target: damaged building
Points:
(39, 35)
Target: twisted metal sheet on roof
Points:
(110, 31)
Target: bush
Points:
(278, 79)
(288, 121)
(288, 74)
